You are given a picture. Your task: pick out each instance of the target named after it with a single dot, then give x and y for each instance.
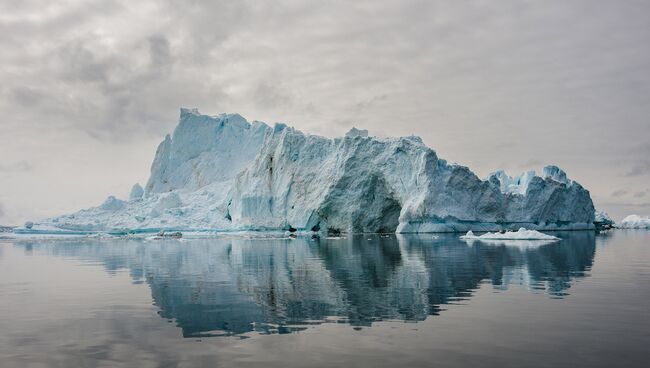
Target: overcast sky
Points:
(89, 88)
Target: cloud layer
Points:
(90, 87)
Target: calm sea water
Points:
(371, 301)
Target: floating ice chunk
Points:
(511, 243)
(635, 222)
(521, 234)
(136, 192)
(29, 225)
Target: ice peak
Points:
(136, 192)
(512, 185)
(555, 173)
(354, 132)
(185, 111)
(278, 127)
(204, 149)
(112, 204)
(235, 119)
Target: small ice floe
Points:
(521, 238)
(521, 234)
(100, 235)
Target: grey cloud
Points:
(370, 103)
(640, 156)
(19, 166)
(202, 26)
(530, 164)
(79, 64)
(619, 193)
(37, 26)
(639, 169)
(643, 148)
(639, 194)
(26, 96)
(159, 51)
(362, 52)
(272, 95)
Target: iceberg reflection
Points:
(234, 286)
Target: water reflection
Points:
(233, 286)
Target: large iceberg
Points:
(226, 174)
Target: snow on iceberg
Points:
(521, 234)
(223, 173)
(635, 222)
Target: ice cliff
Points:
(224, 173)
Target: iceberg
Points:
(635, 222)
(602, 216)
(603, 221)
(223, 173)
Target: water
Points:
(371, 301)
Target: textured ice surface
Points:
(204, 150)
(635, 222)
(112, 204)
(510, 185)
(224, 173)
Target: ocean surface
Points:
(360, 301)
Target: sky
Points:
(89, 88)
